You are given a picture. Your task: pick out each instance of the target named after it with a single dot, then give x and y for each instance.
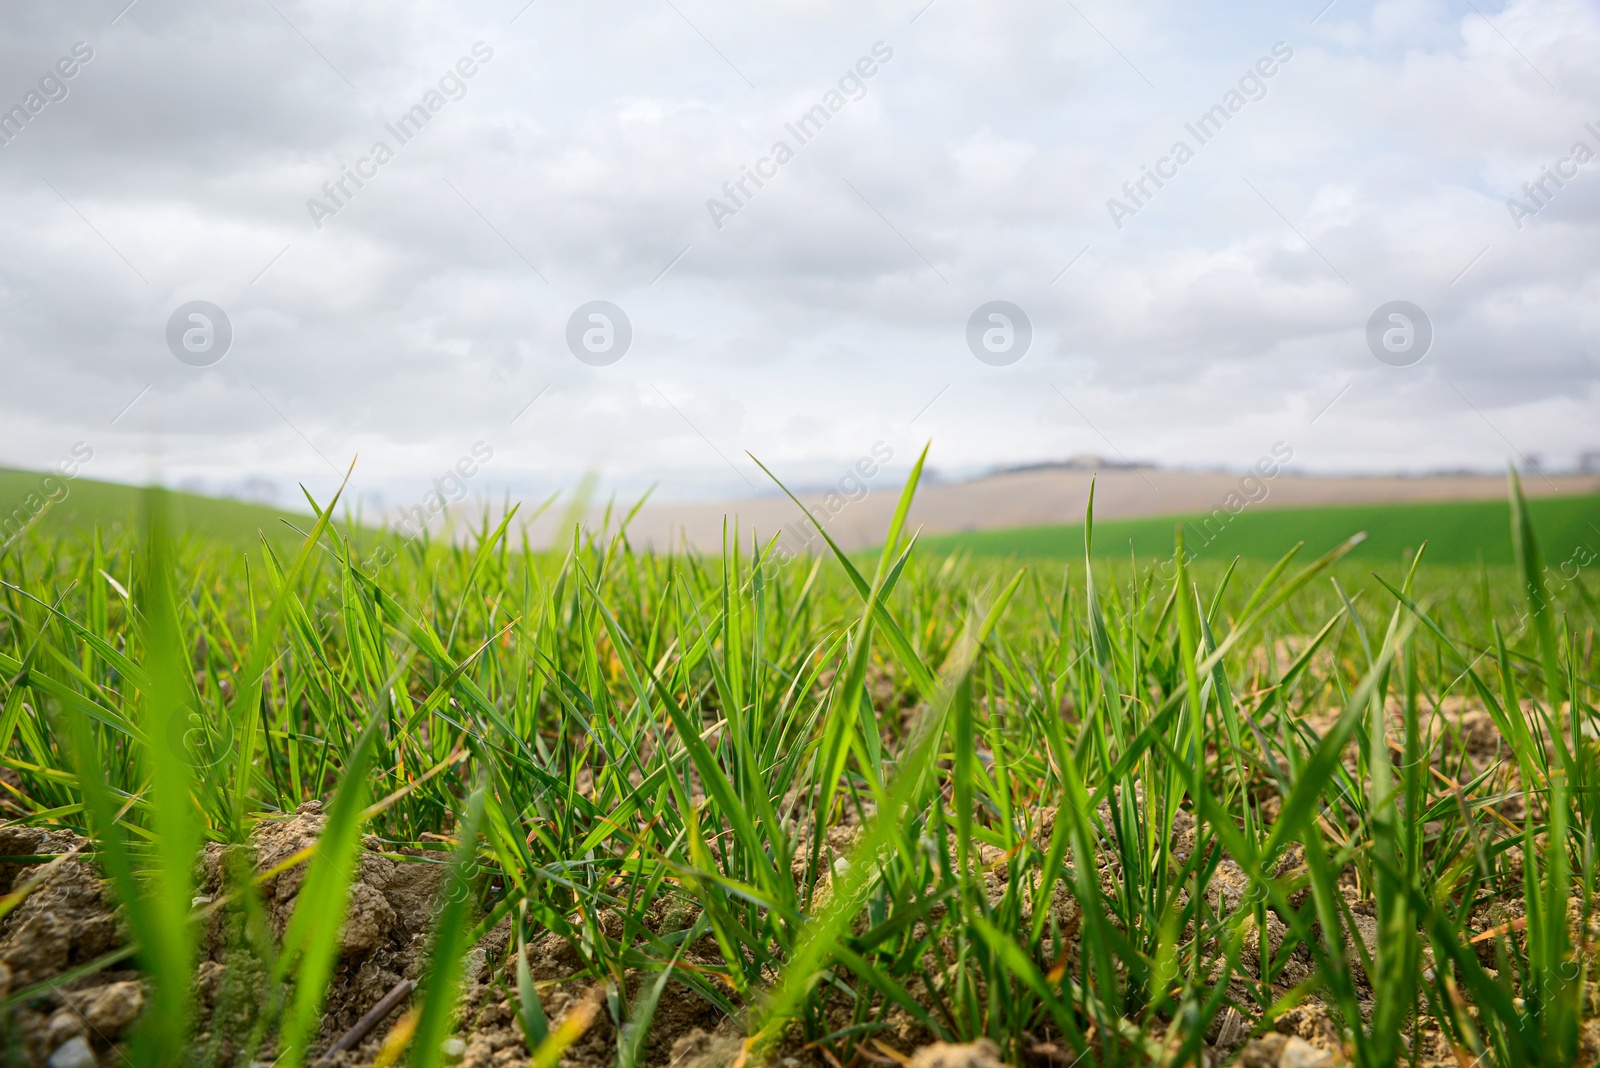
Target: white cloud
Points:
(832, 307)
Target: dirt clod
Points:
(701, 1049)
(1263, 1052)
(1298, 1053)
(65, 922)
(979, 1054)
(112, 1008)
(1284, 1051)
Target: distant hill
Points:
(110, 505)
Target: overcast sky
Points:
(1195, 322)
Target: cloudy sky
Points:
(558, 154)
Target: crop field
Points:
(1457, 532)
(337, 801)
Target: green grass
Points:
(1457, 532)
(1094, 806)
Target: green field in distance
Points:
(1457, 532)
(111, 506)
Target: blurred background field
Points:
(1458, 532)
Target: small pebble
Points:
(74, 1054)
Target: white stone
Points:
(73, 1054)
